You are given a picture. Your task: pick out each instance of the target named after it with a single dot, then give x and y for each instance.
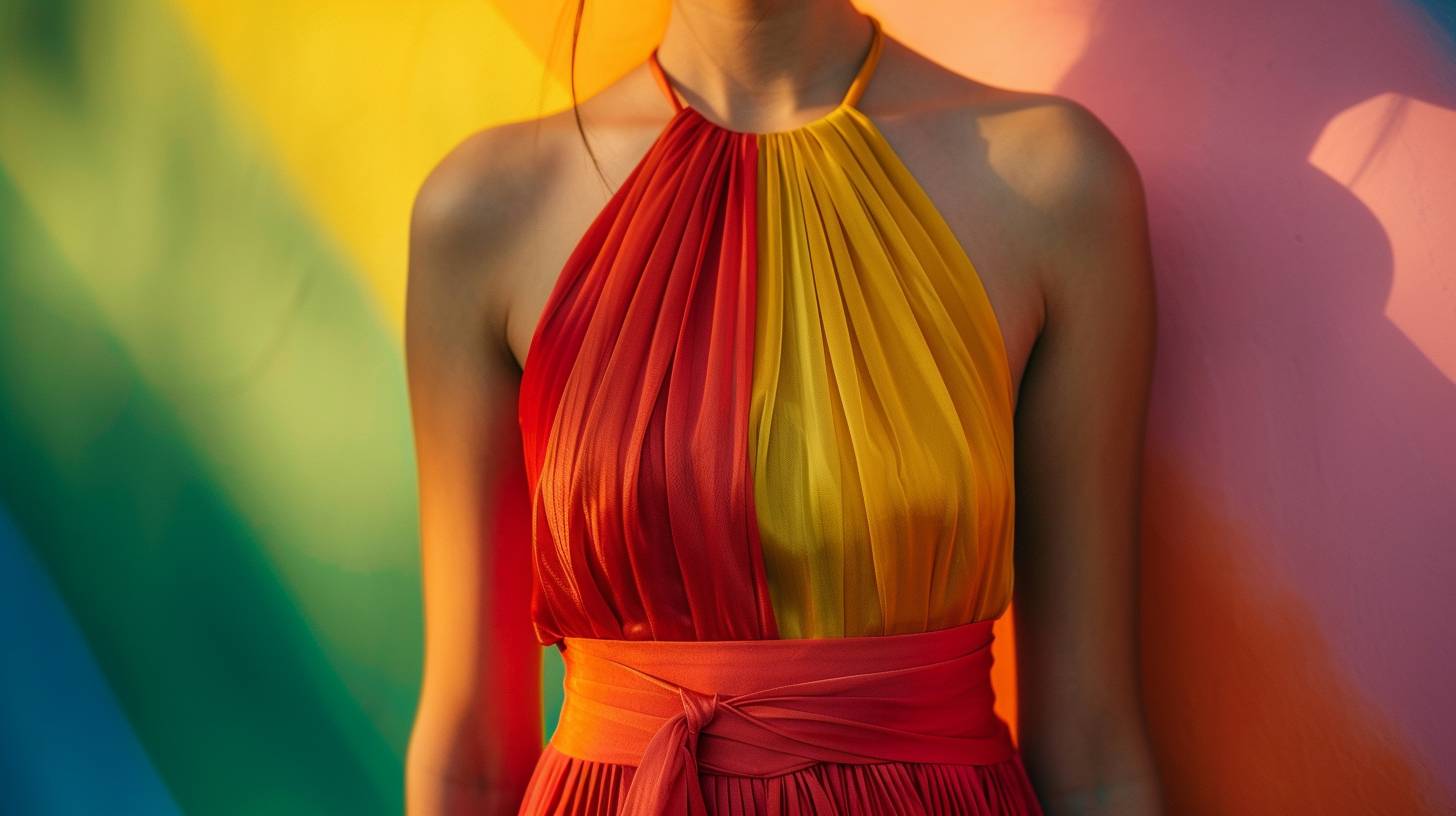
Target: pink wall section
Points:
(1300, 159)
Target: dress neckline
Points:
(846, 103)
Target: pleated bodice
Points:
(768, 397)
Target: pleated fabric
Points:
(768, 399)
(565, 786)
(882, 400)
(634, 407)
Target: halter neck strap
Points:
(851, 96)
(662, 82)
(867, 67)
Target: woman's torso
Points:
(810, 437)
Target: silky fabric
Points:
(673, 709)
(881, 414)
(768, 400)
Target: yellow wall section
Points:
(881, 420)
(361, 100)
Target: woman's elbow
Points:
(1100, 763)
(456, 763)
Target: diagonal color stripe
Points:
(238, 317)
(59, 721)
(205, 435)
(222, 678)
(359, 101)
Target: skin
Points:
(1051, 209)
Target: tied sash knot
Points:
(678, 709)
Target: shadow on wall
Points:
(1298, 516)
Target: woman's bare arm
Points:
(477, 730)
(1080, 427)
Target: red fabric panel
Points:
(634, 407)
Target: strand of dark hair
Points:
(571, 81)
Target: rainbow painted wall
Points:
(209, 597)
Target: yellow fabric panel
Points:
(881, 422)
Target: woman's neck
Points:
(763, 60)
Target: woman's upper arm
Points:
(1079, 440)
(477, 728)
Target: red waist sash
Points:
(763, 708)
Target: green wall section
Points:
(203, 426)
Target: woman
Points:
(737, 436)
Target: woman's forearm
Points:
(458, 765)
(431, 790)
(434, 796)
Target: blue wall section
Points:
(65, 746)
(1444, 13)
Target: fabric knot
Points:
(698, 708)
(767, 708)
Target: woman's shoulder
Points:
(489, 174)
(481, 189)
(1052, 150)
(469, 221)
(1036, 183)
(497, 212)
(1059, 155)
(1073, 195)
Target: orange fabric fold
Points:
(762, 708)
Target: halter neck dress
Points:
(768, 399)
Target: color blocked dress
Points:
(767, 421)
